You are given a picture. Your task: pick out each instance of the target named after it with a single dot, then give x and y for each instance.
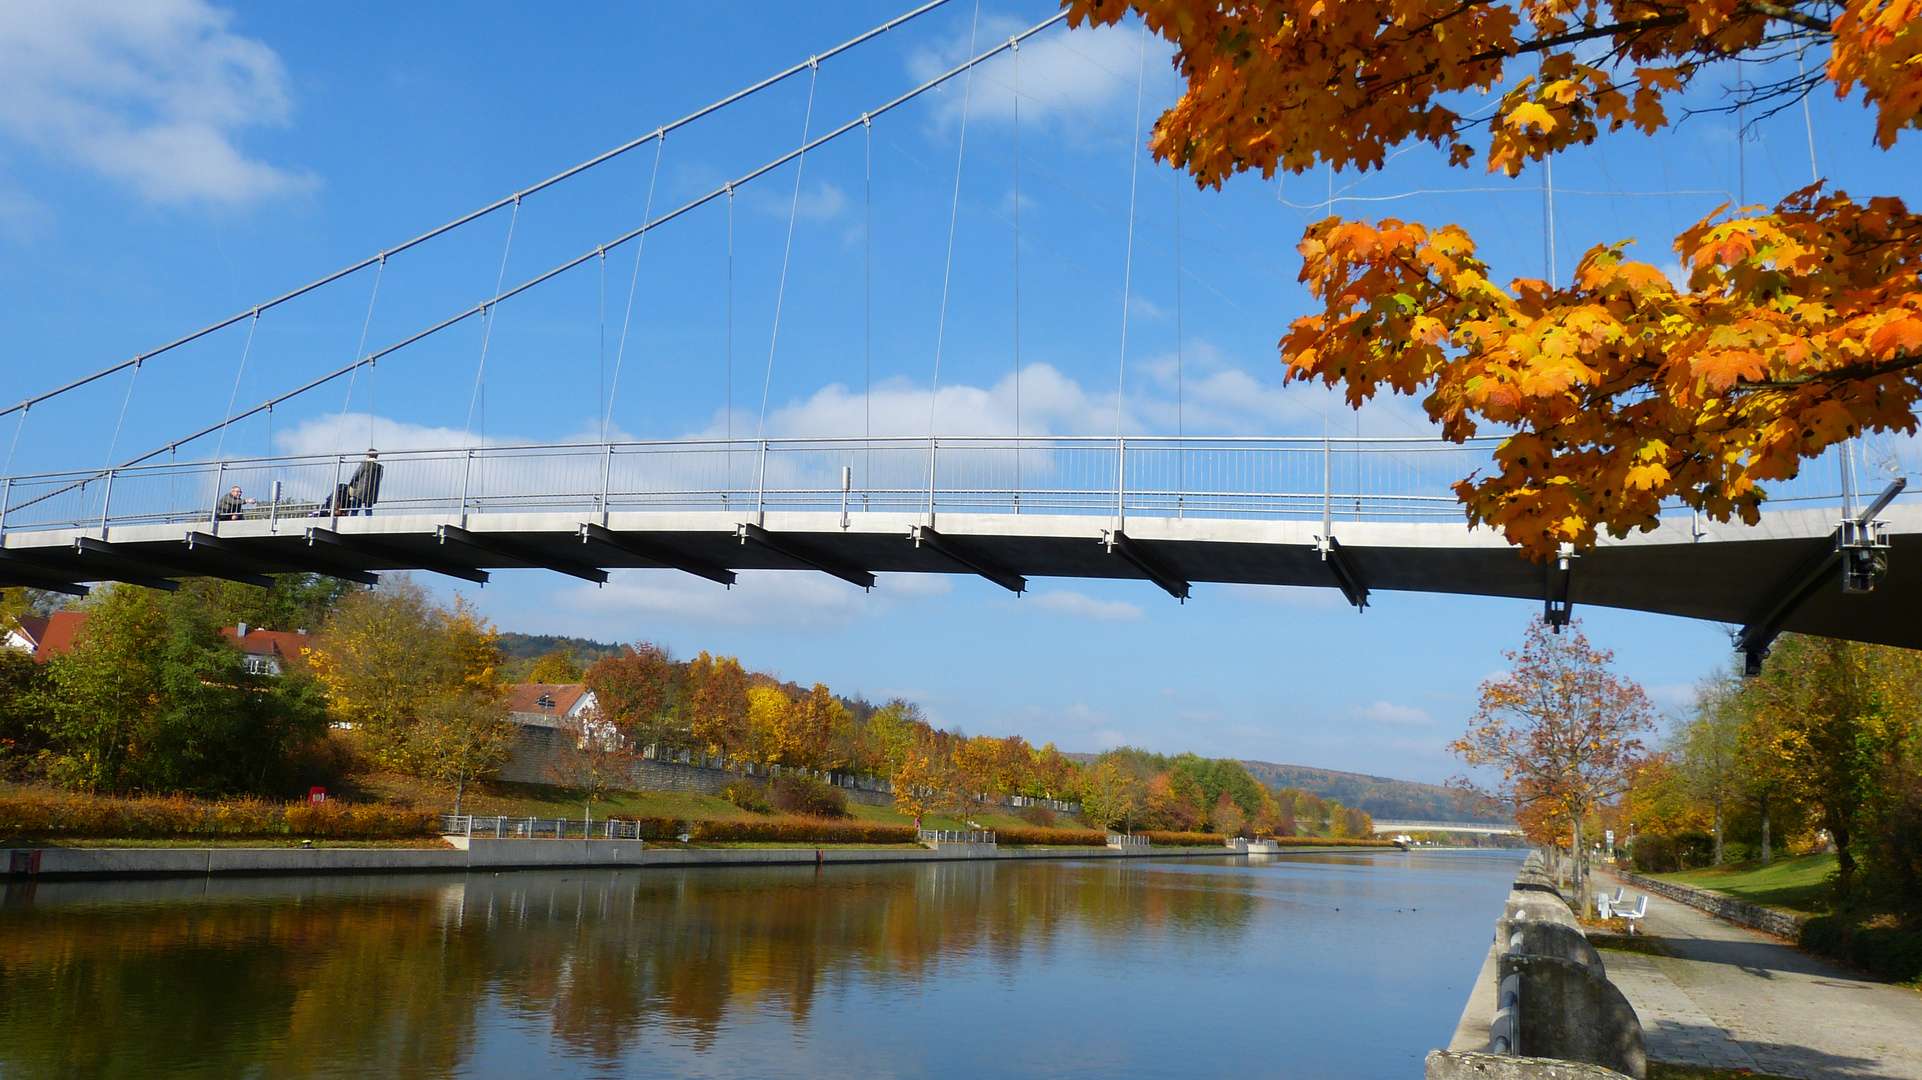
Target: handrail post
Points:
(106, 502)
(213, 513)
(6, 496)
(333, 498)
(934, 448)
(1120, 483)
(607, 468)
(1327, 490)
(466, 480)
(760, 489)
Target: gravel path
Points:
(1738, 999)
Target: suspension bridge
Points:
(1358, 515)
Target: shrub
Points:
(747, 795)
(654, 828)
(806, 796)
(1654, 854)
(1039, 816)
(1052, 837)
(802, 831)
(1186, 839)
(1888, 951)
(177, 816)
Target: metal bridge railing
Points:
(1341, 480)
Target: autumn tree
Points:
(153, 698)
(717, 705)
(392, 659)
(1840, 714)
(554, 667)
(921, 786)
(1707, 749)
(1560, 731)
(1227, 818)
(458, 737)
(1110, 793)
(1799, 326)
(637, 691)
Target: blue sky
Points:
(167, 165)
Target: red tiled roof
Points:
(58, 635)
(33, 628)
(524, 697)
(279, 643)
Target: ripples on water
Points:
(1306, 965)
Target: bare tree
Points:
(590, 758)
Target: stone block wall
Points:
(1782, 924)
(697, 775)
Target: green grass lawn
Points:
(1798, 883)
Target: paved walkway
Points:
(1738, 999)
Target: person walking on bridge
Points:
(363, 489)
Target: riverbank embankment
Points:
(53, 864)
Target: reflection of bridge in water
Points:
(1360, 515)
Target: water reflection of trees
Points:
(398, 980)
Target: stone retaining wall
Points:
(695, 776)
(1782, 924)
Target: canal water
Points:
(1349, 966)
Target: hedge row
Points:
(100, 816)
(1037, 837)
(799, 830)
(1894, 954)
(1184, 839)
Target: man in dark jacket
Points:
(363, 490)
(231, 506)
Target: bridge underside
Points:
(1721, 573)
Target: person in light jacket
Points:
(363, 489)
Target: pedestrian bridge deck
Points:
(1226, 511)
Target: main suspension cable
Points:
(490, 208)
(726, 189)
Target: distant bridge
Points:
(1479, 829)
(1358, 515)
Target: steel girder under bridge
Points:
(1354, 514)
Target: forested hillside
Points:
(1390, 800)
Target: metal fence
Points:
(531, 828)
(1338, 479)
(1119, 840)
(955, 836)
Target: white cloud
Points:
(1086, 607)
(634, 601)
(1385, 712)
(351, 433)
(1226, 400)
(821, 201)
(1068, 78)
(149, 94)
